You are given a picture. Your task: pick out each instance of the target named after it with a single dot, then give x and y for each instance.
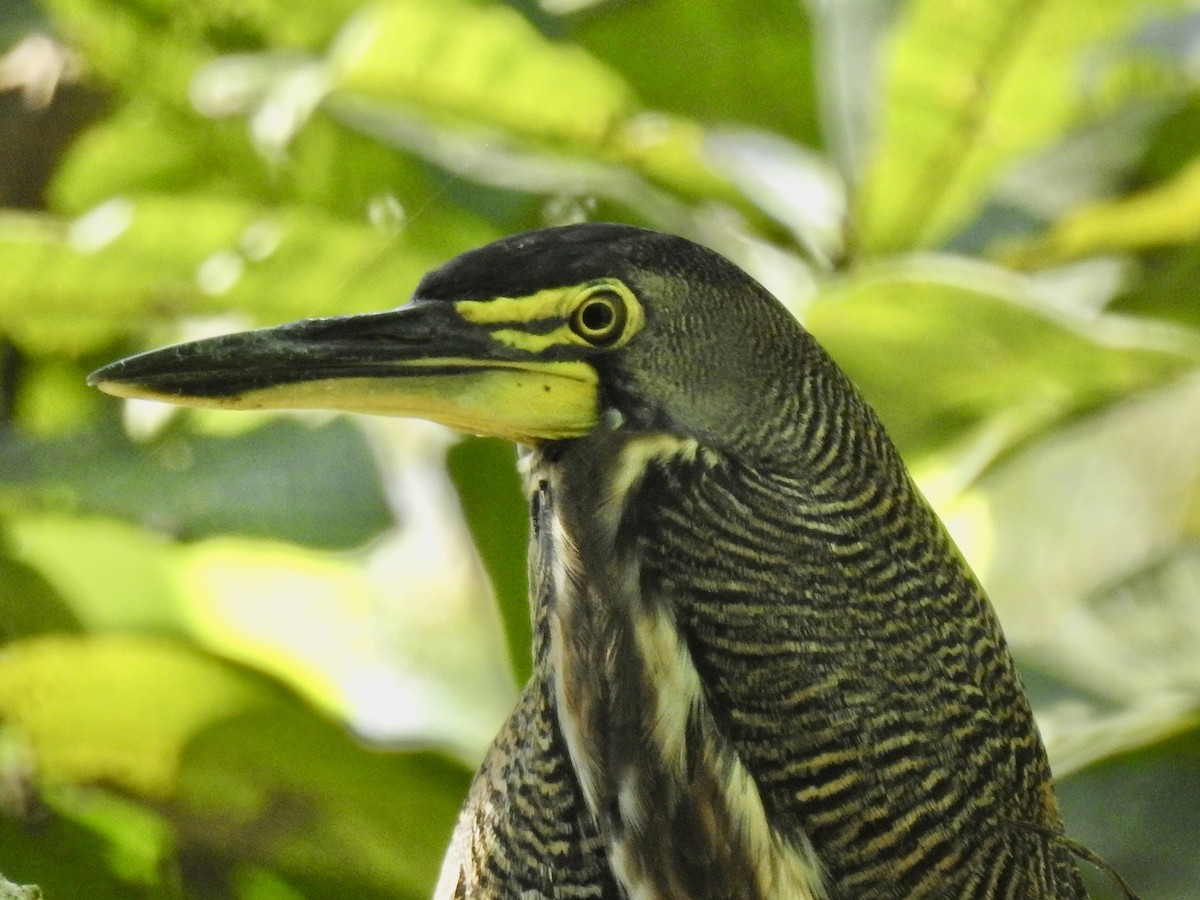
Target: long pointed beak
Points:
(422, 360)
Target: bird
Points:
(761, 667)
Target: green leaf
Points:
(68, 858)
(153, 47)
(127, 45)
(940, 345)
(272, 481)
(1081, 539)
(484, 72)
(484, 471)
(968, 91)
(51, 400)
(137, 840)
(118, 710)
(29, 605)
(328, 167)
(110, 575)
(74, 287)
(1164, 215)
(1166, 288)
(178, 153)
(720, 64)
(483, 64)
(248, 777)
(1137, 813)
(327, 812)
(400, 638)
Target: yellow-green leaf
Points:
(1164, 215)
(71, 287)
(484, 70)
(116, 709)
(485, 64)
(969, 87)
(246, 776)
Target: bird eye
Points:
(600, 318)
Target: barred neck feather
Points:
(791, 678)
(679, 812)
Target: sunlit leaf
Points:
(110, 574)
(405, 660)
(119, 41)
(178, 152)
(200, 741)
(73, 287)
(485, 64)
(153, 48)
(485, 72)
(408, 657)
(939, 345)
(969, 87)
(118, 710)
(1159, 216)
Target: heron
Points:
(761, 667)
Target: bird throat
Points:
(679, 813)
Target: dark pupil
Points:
(597, 316)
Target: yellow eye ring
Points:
(599, 318)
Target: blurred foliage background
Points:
(258, 656)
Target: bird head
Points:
(538, 337)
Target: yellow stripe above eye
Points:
(548, 304)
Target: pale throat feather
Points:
(676, 804)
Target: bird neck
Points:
(717, 633)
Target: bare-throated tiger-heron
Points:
(761, 667)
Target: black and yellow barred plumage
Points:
(761, 667)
